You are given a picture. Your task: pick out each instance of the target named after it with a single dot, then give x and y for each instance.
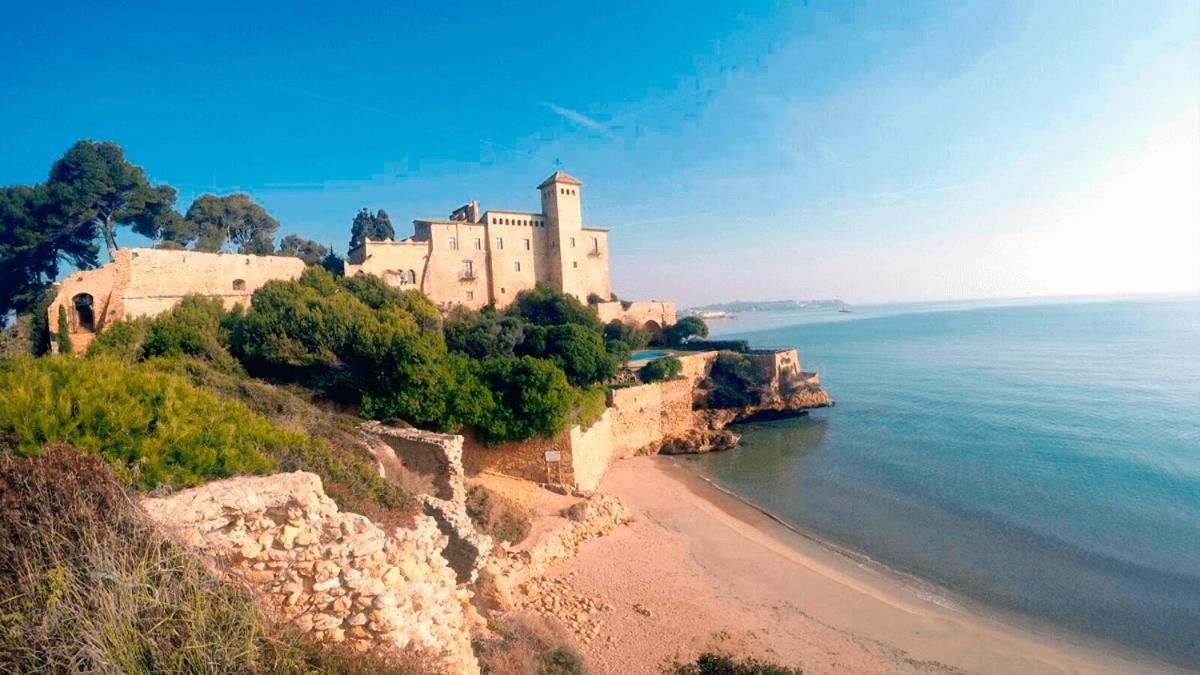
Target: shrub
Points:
(153, 428)
(686, 328)
(590, 404)
(375, 293)
(735, 381)
(621, 340)
(528, 644)
(660, 369)
(483, 335)
(547, 306)
(721, 664)
(531, 397)
(64, 332)
(497, 515)
(580, 353)
(91, 586)
(122, 340)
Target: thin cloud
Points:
(577, 117)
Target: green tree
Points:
(621, 340)
(64, 332)
(94, 188)
(545, 305)
(532, 397)
(580, 353)
(307, 250)
(235, 218)
(683, 330)
(334, 264)
(374, 226)
(377, 294)
(34, 240)
(482, 335)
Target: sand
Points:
(698, 570)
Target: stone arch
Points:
(239, 284)
(85, 312)
(412, 276)
(653, 328)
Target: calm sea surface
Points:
(1040, 459)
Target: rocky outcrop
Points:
(335, 575)
(699, 442)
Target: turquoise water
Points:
(646, 355)
(1040, 459)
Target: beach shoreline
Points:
(701, 569)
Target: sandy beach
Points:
(697, 570)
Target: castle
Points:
(469, 259)
(474, 259)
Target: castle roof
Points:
(559, 177)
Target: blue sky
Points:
(873, 152)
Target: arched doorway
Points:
(654, 329)
(85, 315)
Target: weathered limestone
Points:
(335, 575)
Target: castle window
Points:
(503, 290)
(468, 270)
(84, 314)
(575, 264)
(452, 243)
(470, 295)
(526, 244)
(493, 220)
(239, 284)
(412, 276)
(595, 244)
(517, 266)
(500, 243)
(478, 244)
(572, 242)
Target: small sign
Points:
(553, 456)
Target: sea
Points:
(1037, 457)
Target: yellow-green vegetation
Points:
(590, 405)
(528, 644)
(497, 515)
(152, 427)
(88, 585)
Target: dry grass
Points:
(87, 584)
(528, 644)
(497, 515)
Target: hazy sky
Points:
(872, 152)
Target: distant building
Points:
(469, 259)
(474, 259)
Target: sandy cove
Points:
(698, 570)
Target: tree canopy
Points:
(307, 250)
(367, 225)
(234, 218)
(34, 239)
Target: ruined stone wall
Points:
(336, 576)
(423, 462)
(640, 313)
(147, 282)
(158, 279)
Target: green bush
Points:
(531, 397)
(64, 332)
(497, 515)
(152, 427)
(483, 335)
(686, 328)
(590, 404)
(122, 340)
(547, 306)
(722, 664)
(735, 381)
(579, 352)
(660, 369)
(621, 340)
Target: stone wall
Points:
(335, 575)
(539, 459)
(658, 313)
(423, 462)
(147, 282)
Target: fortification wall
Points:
(592, 451)
(158, 279)
(147, 282)
(644, 415)
(640, 313)
(539, 459)
(513, 246)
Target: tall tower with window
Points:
(564, 222)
